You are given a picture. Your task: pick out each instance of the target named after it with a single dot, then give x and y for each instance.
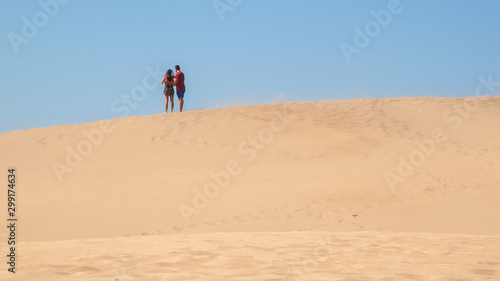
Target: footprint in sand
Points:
(176, 228)
(238, 219)
(484, 272)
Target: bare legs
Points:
(171, 97)
(181, 104)
(172, 102)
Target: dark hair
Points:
(169, 75)
(177, 67)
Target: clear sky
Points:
(75, 61)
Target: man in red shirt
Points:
(179, 85)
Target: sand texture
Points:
(368, 189)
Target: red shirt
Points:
(180, 81)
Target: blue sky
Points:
(83, 57)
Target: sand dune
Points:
(408, 187)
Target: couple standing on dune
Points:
(171, 81)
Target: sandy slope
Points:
(286, 172)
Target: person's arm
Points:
(164, 79)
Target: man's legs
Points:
(181, 104)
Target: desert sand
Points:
(366, 189)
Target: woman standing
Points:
(168, 80)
